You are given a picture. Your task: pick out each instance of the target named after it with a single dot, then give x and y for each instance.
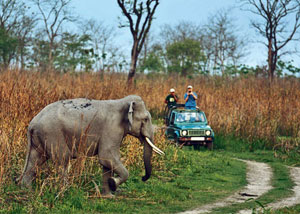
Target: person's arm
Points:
(175, 97)
(186, 97)
(166, 100)
(194, 95)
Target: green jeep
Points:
(188, 127)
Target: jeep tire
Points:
(197, 147)
(209, 145)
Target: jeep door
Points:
(170, 129)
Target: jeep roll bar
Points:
(168, 110)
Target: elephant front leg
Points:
(106, 191)
(122, 176)
(113, 166)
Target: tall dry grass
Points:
(247, 108)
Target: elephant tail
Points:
(29, 146)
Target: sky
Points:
(172, 12)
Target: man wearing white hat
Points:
(190, 98)
(171, 99)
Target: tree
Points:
(108, 55)
(185, 57)
(24, 33)
(9, 14)
(53, 14)
(180, 32)
(40, 53)
(16, 25)
(222, 45)
(74, 51)
(278, 24)
(8, 46)
(153, 60)
(134, 11)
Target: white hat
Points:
(172, 90)
(190, 86)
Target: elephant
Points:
(64, 128)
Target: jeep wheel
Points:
(209, 145)
(177, 144)
(197, 147)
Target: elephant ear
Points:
(130, 115)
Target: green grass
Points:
(192, 179)
(258, 150)
(290, 210)
(188, 179)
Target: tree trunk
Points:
(49, 67)
(133, 63)
(184, 72)
(50, 57)
(271, 66)
(131, 74)
(22, 60)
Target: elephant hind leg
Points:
(60, 154)
(35, 157)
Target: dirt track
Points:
(259, 178)
(286, 202)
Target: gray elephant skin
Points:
(65, 128)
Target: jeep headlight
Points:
(208, 133)
(184, 133)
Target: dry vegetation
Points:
(246, 108)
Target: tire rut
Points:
(259, 177)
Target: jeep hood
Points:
(194, 126)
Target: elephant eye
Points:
(146, 120)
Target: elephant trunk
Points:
(147, 160)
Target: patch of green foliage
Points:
(287, 210)
(258, 149)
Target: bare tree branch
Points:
(53, 14)
(277, 26)
(139, 28)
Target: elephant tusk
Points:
(155, 149)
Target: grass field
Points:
(188, 179)
(191, 179)
(246, 113)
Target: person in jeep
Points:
(180, 118)
(171, 99)
(190, 98)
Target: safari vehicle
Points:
(188, 127)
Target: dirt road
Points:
(259, 182)
(286, 202)
(259, 177)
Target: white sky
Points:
(173, 11)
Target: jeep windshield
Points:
(190, 117)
